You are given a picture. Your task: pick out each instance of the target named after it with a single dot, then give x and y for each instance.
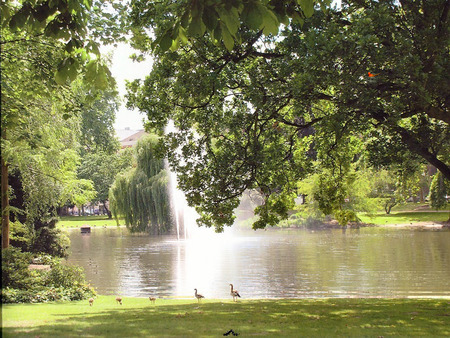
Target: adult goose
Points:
(234, 293)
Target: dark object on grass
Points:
(231, 331)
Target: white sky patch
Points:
(123, 69)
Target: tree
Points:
(439, 191)
(98, 113)
(39, 140)
(101, 168)
(257, 116)
(141, 194)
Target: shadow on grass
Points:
(287, 318)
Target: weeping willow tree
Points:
(141, 195)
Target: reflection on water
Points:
(369, 262)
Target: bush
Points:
(51, 241)
(21, 285)
(21, 236)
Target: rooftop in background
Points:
(132, 138)
(126, 132)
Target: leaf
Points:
(227, 38)
(185, 20)
(182, 35)
(175, 45)
(252, 17)
(166, 41)
(210, 18)
(307, 7)
(270, 22)
(196, 27)
(61, 76)
(230, 18)
(17, 21)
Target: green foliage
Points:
(141, 195)
(439, 191)
(274, 110)
(22, 285)
(21, 236)
(51, 241)
(66, 23)
(15, 272)
(101, 168)
(222, 20)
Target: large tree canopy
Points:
(275, 108)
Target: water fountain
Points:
(185, 216)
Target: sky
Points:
(123, 68)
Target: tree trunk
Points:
(5, 204)
(107, 210)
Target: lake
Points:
(292, 263)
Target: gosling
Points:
(152, 299)
(91, 301)
(119, 300)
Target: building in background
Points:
(128, 138)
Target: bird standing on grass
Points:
(91, 301)
(198, 296)
(234, 293)
(152, 299)
(119, 300)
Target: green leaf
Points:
(166, 42)
(230, 18)
(175, 45)
(61, 76)
(185, 20)
(270, 22)
(210, 18)
(227, 38)
(307, 7)
(182, 35)
(196, 27)
(252, 17)
(17, 21)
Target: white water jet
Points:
(185, 216)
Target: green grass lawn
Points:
(405, 217)
(77, 221)
(137, 317)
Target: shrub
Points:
(21, 285)
(51, 241)
(15, 272)
(21, 236)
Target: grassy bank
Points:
(95, 221)
(405, 217)
(137, 317)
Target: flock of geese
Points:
(234, 293)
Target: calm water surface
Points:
(369, 262)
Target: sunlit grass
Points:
(405, 217)
(137, 317)
(95, 221)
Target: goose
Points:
(152, 299)
(119, 300)
(198, 296)
(234, 293)
(91, 301)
